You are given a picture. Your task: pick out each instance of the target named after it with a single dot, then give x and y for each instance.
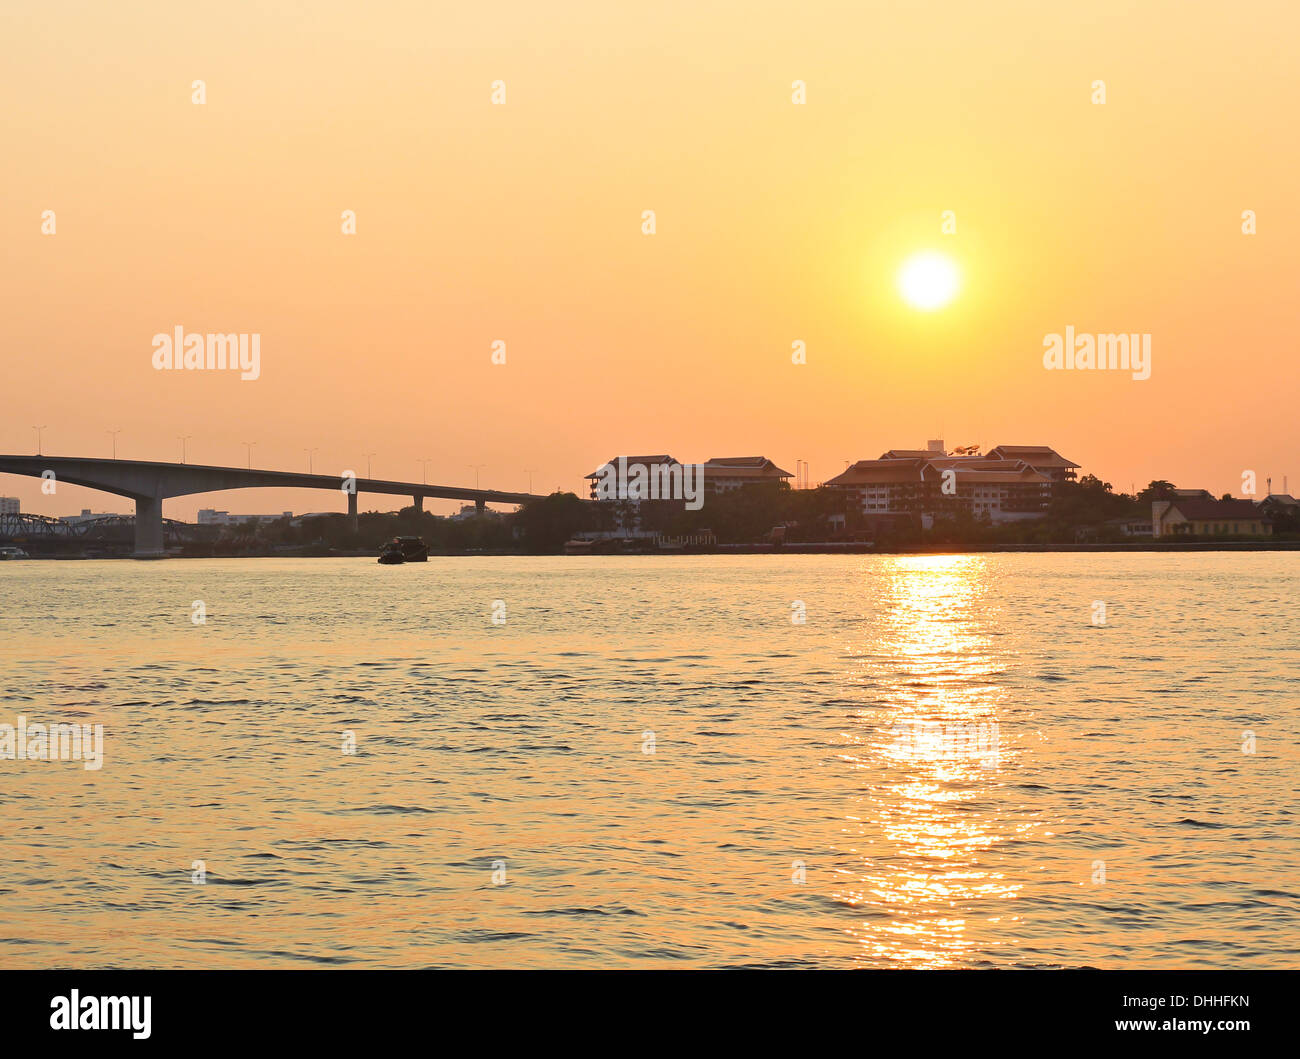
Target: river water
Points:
(706, 761)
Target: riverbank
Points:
(823, 548)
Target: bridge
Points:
(149, 484)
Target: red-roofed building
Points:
(998, 487)
(650, 463)
(1042, 458)
(1198, 517)
(992, 490)
(722, 474)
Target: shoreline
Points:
(825, 548)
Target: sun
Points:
(928, 281)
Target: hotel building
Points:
(1011, 483)
(724, 474)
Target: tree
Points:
(544, 525)
(1157, 490)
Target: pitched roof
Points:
(972, 470)
(1209, 510)
(744, 467)
(867, 471)
(979, 472)
(1034, 455)
(632, 461)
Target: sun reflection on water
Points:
(927, 749)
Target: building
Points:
(723, 474)
(9, 505)
(927, 482)
(87, 516)
(1042, 458)
(211, 517)
(1198, 517)
(1130, 527)
(932, 448)
(654, 467)
(1280, 504)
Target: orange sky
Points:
(776, 223)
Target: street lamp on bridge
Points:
(113, 434)
(248, 445)
(309, 453)
(368, 458)
(424, 469)
(38, 438)
(183, 438)
(529, 471)
(476, 467)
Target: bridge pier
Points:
(352, 512)
(148, 528)
(418, 505)
(480, 506)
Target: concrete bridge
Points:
(149, 484)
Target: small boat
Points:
(404, 550)
(414, 550)
(7, 553)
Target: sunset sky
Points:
(522, 222)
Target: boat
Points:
(8, 553)
(404, 550)
(414, 550)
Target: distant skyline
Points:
(775, 223)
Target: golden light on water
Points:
(926, 874)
